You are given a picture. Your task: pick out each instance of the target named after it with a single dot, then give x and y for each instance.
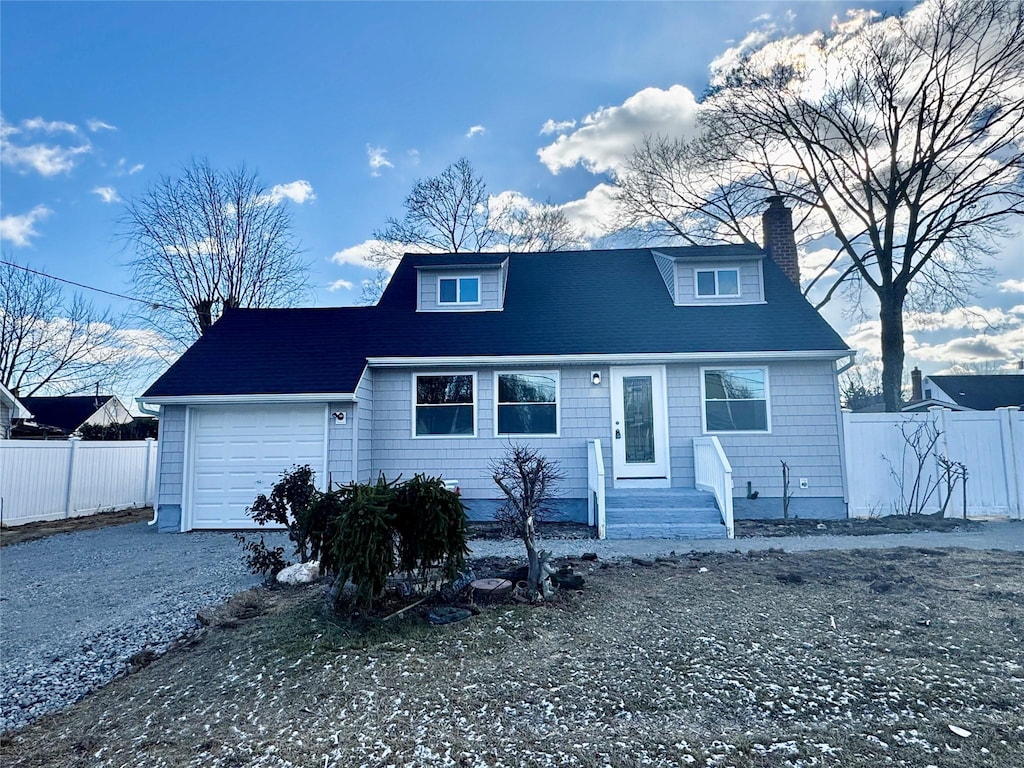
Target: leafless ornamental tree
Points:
(208, 240)
(902, 137)
(453, 213)
(49, 343)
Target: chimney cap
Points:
(775, 200)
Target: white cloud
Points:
(973, 318)
(377, 158)
(124, 170)
(550, 126)
(19, 229)
(107, 194)
(339, 284)
(975, 349)
(360, 255)
(1011, 286)
(45, 159)
(414, 156)
(98, 125)
(476, 130)
(607, 136)
(595, 214)
(48, 126)
(298, 191)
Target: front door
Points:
(639, 427)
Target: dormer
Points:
(712, 275)
(471, 283)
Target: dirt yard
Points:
(32, 531)
(862, 658)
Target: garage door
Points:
(239, 452)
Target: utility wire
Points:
(151, 304)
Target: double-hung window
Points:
(458, 290)
(735, 400)
(445, 405)
(712, 283)
(527, 403)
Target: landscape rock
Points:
(300, 573)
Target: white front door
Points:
(639, 427)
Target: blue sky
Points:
(345, 105)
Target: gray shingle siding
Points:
(750, 283)
(170, 475)
(340, 445)
(5, 421)
(490, 289)
(364, 427)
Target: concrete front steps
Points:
(662, 513)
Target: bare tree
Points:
(210, 240)
(49, 343)
(903, 137)
(452, 213)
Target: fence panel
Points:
(50, 479)
(882, 467)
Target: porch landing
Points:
(663, 513)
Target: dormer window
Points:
(458, 290)
(713, 283)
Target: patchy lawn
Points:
(31, 531)
(868, 526)
(706, 660)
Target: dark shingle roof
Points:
(67, 413)
(575, 302)
(983, 393)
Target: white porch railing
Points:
(595, 486)
(713, 472)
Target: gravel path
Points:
(75, 608)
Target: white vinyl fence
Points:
(881, 467)
(54, 479)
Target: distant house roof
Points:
(66, 413)
(556, 304)
(18, 409)
(983, 392)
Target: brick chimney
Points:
(779, 240)
(916, 391)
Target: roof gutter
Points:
(623, 359)
(253, 399)
(849, 364)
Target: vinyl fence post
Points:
(1009, 438)
(941, 447)
(72, 447)
(150, 445)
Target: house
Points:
(965, 393)
(65, 415)
(10, 408)
(644, 364)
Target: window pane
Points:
(734, 385)
(706, 283)
(745, 415)
(527, 420)
(469, 290)
(436, 390)
(444, 420)
(448, 288)
(638, 414)
(525, 388)
(728, 282)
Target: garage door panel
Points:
(241, 452)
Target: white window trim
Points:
(475, 403)
(458, 278)
(767, 400)
(717, 294)
(558, 404)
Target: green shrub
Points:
(430, 522)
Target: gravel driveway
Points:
(76, 608)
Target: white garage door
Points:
(239, 452)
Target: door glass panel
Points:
(638, 419)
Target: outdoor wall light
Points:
(596, 377)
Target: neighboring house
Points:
(10, 408)
(65, 415)
(643, 349)
(965, 393)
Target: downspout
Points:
(159, 449)
(849, 365)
